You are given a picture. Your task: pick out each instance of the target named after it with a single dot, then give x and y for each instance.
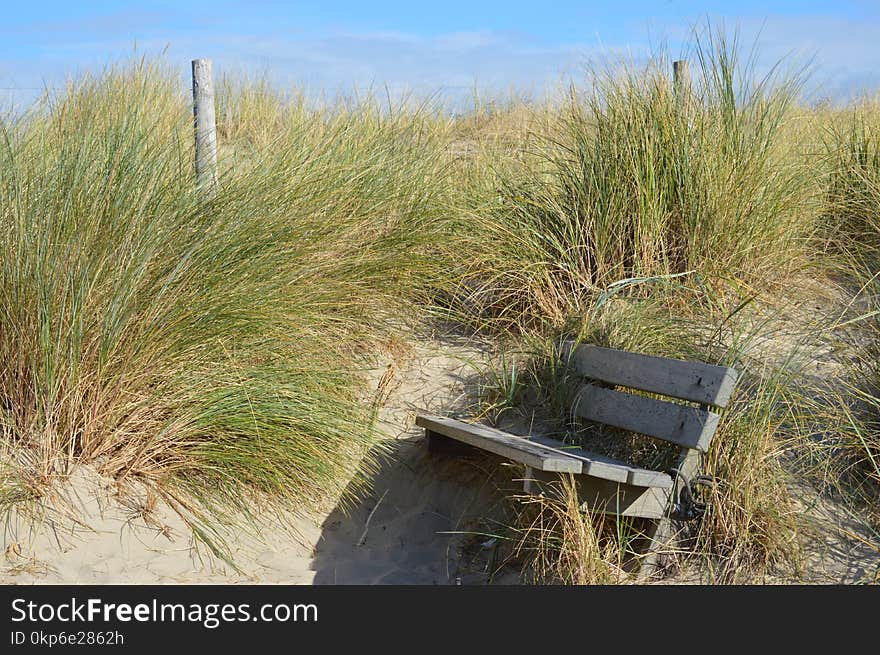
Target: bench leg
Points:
(661, 536)
(529, 485)
(537, 482)
(665, 532)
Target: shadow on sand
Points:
(423, 521)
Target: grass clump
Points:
(633, 180)
(209, 347)
(853, 217)
(214, 348)
(563, 544)
(653, 220)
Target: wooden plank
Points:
(686, 426)
(622, 499)
(607, 468)
(694, 381)
(592, 464)
(502, 443)
(607, 496)
(648, 478)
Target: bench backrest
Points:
(686, 425)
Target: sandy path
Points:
(405, 540)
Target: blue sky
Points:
(446, 47)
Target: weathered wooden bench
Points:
(605, 484)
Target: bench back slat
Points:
(694, 381)
(690, 427)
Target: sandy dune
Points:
(406, 529)
(423, 519)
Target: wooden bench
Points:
(605, 484)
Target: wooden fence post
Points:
(205, 125)
(681, 79)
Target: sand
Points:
(414, 525)
(422, 519)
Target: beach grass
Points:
(212, 347)
(217, 348)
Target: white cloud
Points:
(846, 59)
(842, 54)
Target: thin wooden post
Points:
(681, 79)
(205, 125)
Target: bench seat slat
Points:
(607, 468)
(543, 453)
(501, 443)
(690, 427)
(694, 381)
